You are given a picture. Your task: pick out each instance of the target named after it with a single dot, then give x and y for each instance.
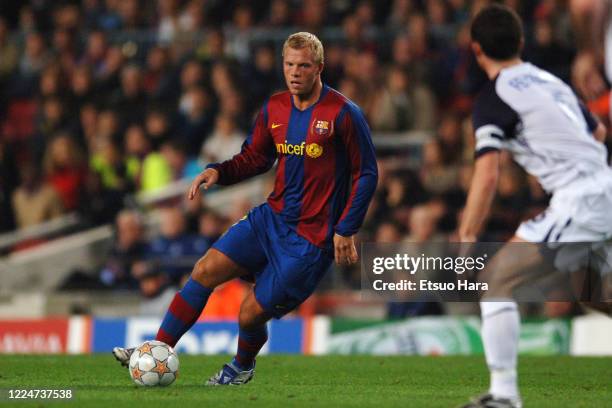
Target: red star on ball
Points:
(161, 367)
(145, 349)
(136, 373)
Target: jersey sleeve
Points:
(357, 140)
(493, 119)
(256, 156)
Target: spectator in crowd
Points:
(238, 32)
(130, 99)
(50, 82)
(34, 58)
(423, 224)
(179, 164)
(400, 13)
(136, 147)
(64, 48)
(211, 225)
(128, 249)
(85, 126)
(51, 119)
(279, 14)
(157, 291)
(81, 87)
(157, 126)
(168, 27)
(9, 180)
(95, 53)
(35, 200)
(402, 106)
(388, 233)
(437, 175)
(195, 118)
(65, 169)
(174, 251)
(224, 142)
(157, 79)
(108, 76)
(548, 52)
(261, 74)
(107, 128)
(155, 172)
(312, 15)
(9, 54)
(355, 35)
(108, 162)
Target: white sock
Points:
(500, 335)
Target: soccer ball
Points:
(153, 363)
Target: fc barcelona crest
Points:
(322, 127)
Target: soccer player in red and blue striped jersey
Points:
(325, 178)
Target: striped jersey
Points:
(326, 173)
(538, 118)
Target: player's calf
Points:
(252, 315)
(210, 271)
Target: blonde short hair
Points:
(305, 40)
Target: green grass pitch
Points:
(330, 381)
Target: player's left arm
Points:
(600, 132)
(480, 196)
(357, 140)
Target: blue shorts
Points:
(286, 267)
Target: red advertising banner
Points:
(47, 336)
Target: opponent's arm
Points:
(600, 132)
(355, 134)
(594, 125)
(494, 121)
(480, 196)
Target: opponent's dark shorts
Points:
(286, 267)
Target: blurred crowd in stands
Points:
(103, 99)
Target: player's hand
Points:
(207, 178)
(344, 250)
(587, 77)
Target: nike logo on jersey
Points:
(275, 125)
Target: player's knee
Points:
(203, 272)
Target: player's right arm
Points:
(494, 122)
(205, 179)
(256, 157)
(480, 196)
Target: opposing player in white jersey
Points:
(538, 118)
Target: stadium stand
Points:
(114, 105)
